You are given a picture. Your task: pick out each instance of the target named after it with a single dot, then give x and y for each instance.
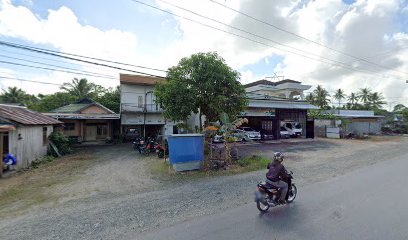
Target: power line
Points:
(252, 40)
(252, 34)
(49, 59)
(53, 69)
(51, 65)
(33, 81)
(92, 58)
(48, 52)
(304, 38)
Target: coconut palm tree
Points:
(376, 100)
(339, 95)
(353, 100)
(14, 95)
(310, 98)
(321, 97)
(364, 96)
(79, 88)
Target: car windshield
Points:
(288, 125)
(248, 129)
(283, 129)
(298, 126)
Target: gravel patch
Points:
(126, 215)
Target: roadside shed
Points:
(358, 121)
(24, 133)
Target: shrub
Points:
(61, 142)
(38, 161)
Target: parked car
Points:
(265, 135)
(284, 133)
(237, 135)
(294, 128)
(131, 134)
(251, 133)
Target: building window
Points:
(45, 136)
(140, 101)
(101, 130)
(69, 126)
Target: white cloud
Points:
(364, 29)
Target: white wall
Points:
(30, 146)
(129, 96)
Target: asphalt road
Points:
(369, 203)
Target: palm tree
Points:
(339, 95)
(14, 95)
(353, 99)
(79, 88)
(321, 97)
(310, 98)
(364, 96)
(376, 100)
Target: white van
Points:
(293, 128)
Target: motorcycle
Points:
(137, 144)
(267, 195)
(162, 150)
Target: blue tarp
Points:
(186, 148)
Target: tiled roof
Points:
(266, 82)
(25, 116)
(79, 106)
(141, 80)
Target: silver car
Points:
(251, 133)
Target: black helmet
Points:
(278, 156)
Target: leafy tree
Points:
(50, 102)
(81, 88)
(399, 108)
(339, 95)
(206, 84)
(110, 99)
(321, 97)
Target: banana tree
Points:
(226, 128)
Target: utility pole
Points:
(144, 113)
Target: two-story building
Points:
(272, 104)
(139, 110)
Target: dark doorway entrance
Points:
(310, 128)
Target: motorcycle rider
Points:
(277, 174)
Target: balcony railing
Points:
(150, 108)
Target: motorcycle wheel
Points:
(292, 194)
(262, 207)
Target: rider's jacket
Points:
(276, 171)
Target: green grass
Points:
(164, 171)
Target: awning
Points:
(6, 127)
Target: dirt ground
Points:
(108, 192)
(90, 171)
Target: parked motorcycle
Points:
(137, 144)
(162, 150)
(267, 195)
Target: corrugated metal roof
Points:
(138, 79)
(25, 116)
(83, 116)
(280, 104)
(71, 108)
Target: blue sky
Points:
(129, 32)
